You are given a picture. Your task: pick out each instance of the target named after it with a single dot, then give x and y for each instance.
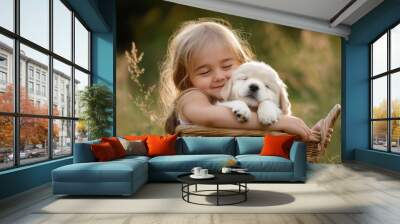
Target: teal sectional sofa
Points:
(125, 176)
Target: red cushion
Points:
(161, 145)
(116, 145)
(103, 151)
(277, 145)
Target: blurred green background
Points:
(308, 62)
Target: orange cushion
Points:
(103, 151)
(277, 145)
(136, 137)
(161, 145)
(116, 145)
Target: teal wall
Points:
(103, 53)
(355, 86)
(100, 17)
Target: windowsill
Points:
(381, 159)
(34, 165)
(379, 152)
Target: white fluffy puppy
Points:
(256, 85)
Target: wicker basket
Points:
(313, 152)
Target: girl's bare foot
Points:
(325, 126)
(316, 133)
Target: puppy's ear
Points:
(284, 102)
(226, 90)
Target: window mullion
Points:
(371, 89)
(389, 106)
(50, 79)
(73, 82)
(16, 84)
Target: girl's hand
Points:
(292, 125)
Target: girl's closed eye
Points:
(204, 72)
(227, 67)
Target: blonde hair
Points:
(182, 45)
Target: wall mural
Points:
(307, 62)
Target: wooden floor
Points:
(379, 189)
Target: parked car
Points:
(22, 155)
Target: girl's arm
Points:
(197, 109)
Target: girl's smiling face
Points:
(211, 67)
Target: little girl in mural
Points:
(200, 59)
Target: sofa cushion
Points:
(134, 147)
(83, 152)
(206, 145)
(116, 145)
(111, 171)
(131, 158)
(161, 145)
(185, 163)
(257, 163)
(249, 145)
(103, 152)
(277, 145)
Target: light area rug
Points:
(167, 198)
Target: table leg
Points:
(217, 194)
(245, 193)
(188, 192)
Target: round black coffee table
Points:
(238, 179)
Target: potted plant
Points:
(96, 102)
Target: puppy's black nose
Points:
(253, 87)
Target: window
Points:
(81, 45)
(3, 78)
(37, 75)
(34, 22)
(385, 94)
(62, 30)
(30, 72)
(38, 89)
(3, 61)
(3, 72)
(6, 89)
(44, 91)
(30, 87)
(7, 14)
(41, 83)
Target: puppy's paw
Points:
(241, 111)
(239, 108)
(268, 114)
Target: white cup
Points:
(226, 170)
(196, 170)
(203, 172)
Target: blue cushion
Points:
(206, 145)
(249, 145)
(185, 163)
(257, 163)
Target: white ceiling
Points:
(316, 15)
(321, 9)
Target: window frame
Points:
(388, 74)
(16, 114)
